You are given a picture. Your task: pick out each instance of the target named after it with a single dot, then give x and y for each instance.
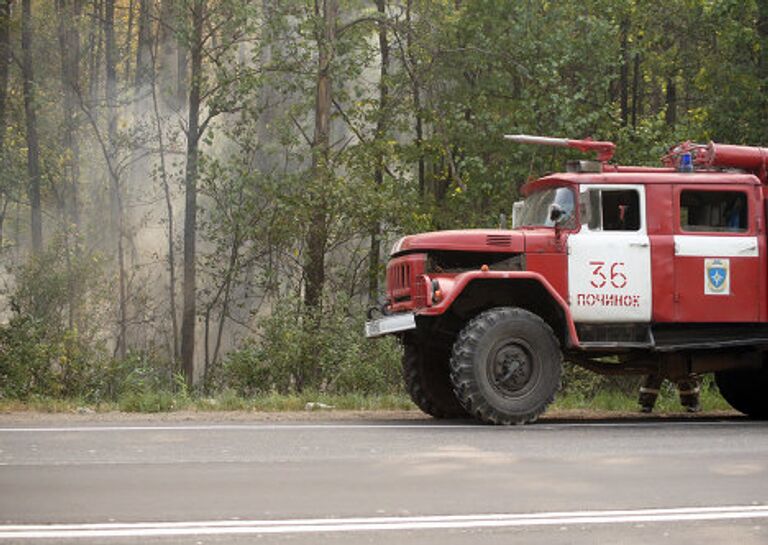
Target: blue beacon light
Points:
(686, 163)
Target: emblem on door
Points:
(717, 279)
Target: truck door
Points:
(716, 255)
(609, 259)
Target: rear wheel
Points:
(426, 374)
(745, 390)
(506, 366)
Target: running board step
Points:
(670, 337)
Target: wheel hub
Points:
(512, 368)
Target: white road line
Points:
(379, 524)
(287, 427)
(238, 427)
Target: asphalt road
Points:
(646, 481)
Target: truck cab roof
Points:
(640, 175)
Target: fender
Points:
(453, 287)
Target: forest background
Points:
(200, 195)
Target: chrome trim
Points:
(390, 324)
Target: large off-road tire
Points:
(745, 390)
(426, 374)
(506, 366)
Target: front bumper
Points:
(390, 324)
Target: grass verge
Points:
(154, 402)
(615, 401)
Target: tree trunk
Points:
(416, 96)
(636, 90)
(116, 196)
(144, 45)
(225, 291)
(169, 211)
(190, 211)
(111, 68)
(671, 114)
(5, 58)
(33, 146)
(624, 74)
(317, 238)
(95, 49)
(374, 262)
(3, 213)
(762, 63)
(171, 59)
(422, 171)
(182, 67)
(128, 41)
(69, 44)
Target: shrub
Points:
(246, 372)
(148, 402)
(144, 383)
(137, 373)
(50, 346)
(25, 359)
(298, 352)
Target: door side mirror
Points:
(517, 214)
(556, 213)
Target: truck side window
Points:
(613, 210)
(719, 211)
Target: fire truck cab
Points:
(664, 269)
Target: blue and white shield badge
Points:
(717, 278)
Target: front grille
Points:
(399, 281)
(403, 289)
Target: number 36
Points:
(603, 273)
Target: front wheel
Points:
(506, 366)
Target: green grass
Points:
(229, 401)
(153, 402)
(616, 401)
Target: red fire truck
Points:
(619, 269)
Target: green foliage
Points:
(246, 371)
(139, 374)
(59, 285)
(36, 361)
(294, 353)
(645, 75)
(48, 347)
(53, 345)
(25, 360)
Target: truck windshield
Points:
(537, 208)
